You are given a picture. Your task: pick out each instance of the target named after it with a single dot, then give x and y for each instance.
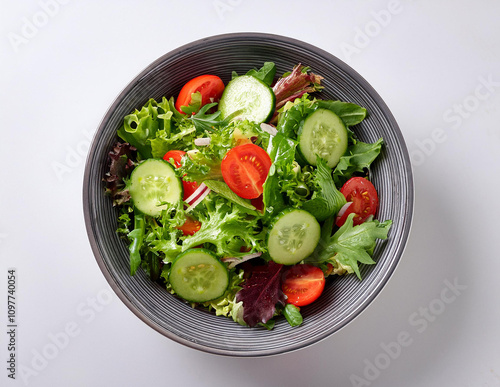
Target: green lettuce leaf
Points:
(282, 152)
(164, 141)
(223, 190)
(326, 199)
(227, 228)
(351, 244)
(141, 126)
(358, 156)
(136, 237)
(224, 305)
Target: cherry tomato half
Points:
(209, 86)
(364, 198)
(303, 284)
(189, 186)
(245, 169)
(190, 227)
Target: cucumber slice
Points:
(198, 276)
(324, 134)
(154, 186)
(293, 236)
(254, 100)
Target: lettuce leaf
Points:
(227, 228)
(141, 126)
(224, 305)
(326, 199)
(260, 293)
(294, 85)
(282, 152)
(223, 190)
(351, 244)
(358, 156)
(121, 165)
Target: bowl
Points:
(344, 298)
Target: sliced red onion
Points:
(233, 261)
(197, 201)
(195, 194)
(268, 129)
(343, 210)
(203, 141)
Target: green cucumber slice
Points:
(154, 186)
(324, 134)
(198, 276)
(293, 236)
(254, 100)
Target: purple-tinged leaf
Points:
(260, 293)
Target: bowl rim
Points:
(242, 36)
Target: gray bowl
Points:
(345, 297)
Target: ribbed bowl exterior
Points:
(345, 297)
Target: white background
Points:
(425, 59)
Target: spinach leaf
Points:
(350, 113)
(265, 73)
(292, 315)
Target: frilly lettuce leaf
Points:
(227, 228)
(225, 305)
(141, 126)
(120, 166)
(326, 199)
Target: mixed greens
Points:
(242, 198)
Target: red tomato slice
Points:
(364, 198)
(245, 169)
(190, 227)
(189, 186)
(210, 87)
(303, 284)
(176, 155)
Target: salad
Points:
(244, 197)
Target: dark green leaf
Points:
(292, 315)
(350, 113)
(265, 73)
